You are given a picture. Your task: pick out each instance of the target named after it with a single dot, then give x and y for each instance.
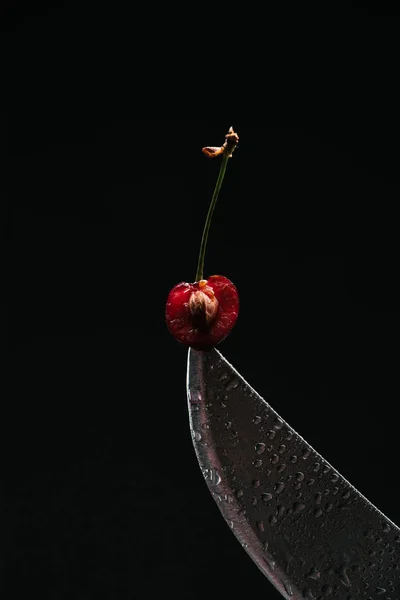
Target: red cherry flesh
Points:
(201, 314)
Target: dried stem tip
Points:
(227, 148)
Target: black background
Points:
(109, 191)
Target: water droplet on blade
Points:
(313, 574)
(232, 385)
(279, 487)
(298, 507)
(260, 526)
(259, 448)
(288, 588)
(266, 497)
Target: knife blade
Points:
(310, 532)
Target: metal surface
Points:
(308, 529)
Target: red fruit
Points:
(201, 314)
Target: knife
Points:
(311, 533)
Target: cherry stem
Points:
(231, 141)
(221, 174)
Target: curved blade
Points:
(307, 528)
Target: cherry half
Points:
(201, 314)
